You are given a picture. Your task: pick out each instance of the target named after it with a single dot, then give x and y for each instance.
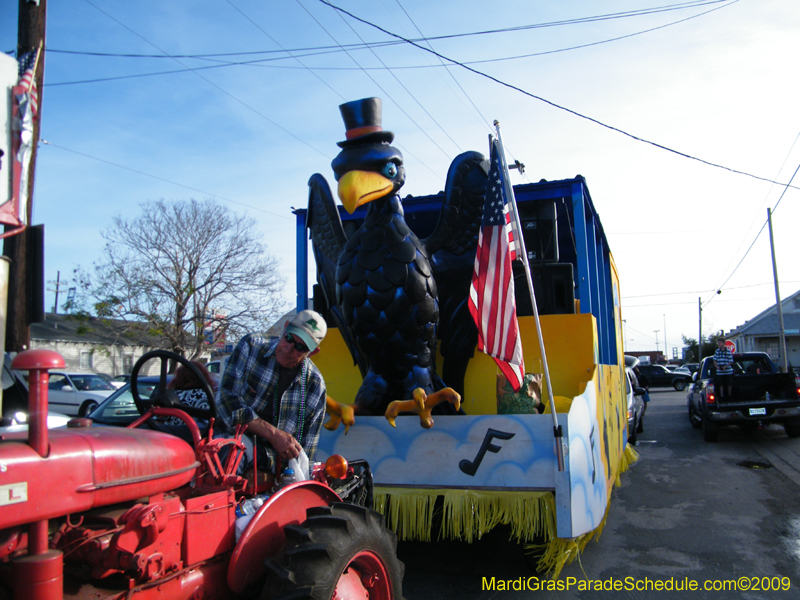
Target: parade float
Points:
(394, 279)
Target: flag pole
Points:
(557, 430)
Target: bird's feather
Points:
(451, 248)
(328, 241)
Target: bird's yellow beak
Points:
(359, 187)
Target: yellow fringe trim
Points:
(628, 457)
(467, 515)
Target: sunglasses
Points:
(297, 345)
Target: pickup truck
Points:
(761, 394)
(661, 376)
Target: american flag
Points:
(27, 81)
(24, 110)
(491, 295)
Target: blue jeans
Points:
(263, 459)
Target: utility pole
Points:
(700, 332)
(666, 346)
(30, 35)
(624, 335)
(656, 332)
(58, 283)
(784, 358)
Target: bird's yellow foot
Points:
(340, 413)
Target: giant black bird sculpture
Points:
(391, 294)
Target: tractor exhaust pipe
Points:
(40, 574)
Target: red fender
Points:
(264, 536)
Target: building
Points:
(762, 332)
(648, 357)
(107, 346)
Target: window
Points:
(127, 363)
(86, 360)
(57, 381)
(770, 347)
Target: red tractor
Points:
(91, 512)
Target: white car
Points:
(216, 367)
(20, 422)
(77, 394)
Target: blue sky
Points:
(720, 86)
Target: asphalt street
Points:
(725, 515)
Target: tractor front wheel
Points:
(341, 551)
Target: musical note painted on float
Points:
(471, 467)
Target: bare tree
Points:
(182, 268)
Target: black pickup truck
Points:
(761, 394)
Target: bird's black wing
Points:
(328, 240)
(451, 250)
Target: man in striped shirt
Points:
(723, 361)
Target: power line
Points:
(108, 162)
(480, 118)
(321, 50)
(413, 97)
(478, 115)
(760, 231)
(424, 163)
(553, 104)
(262, 30)
(362, 45)
(760, 208)
(195, 71)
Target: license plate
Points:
(758, 411)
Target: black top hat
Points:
(362, 119)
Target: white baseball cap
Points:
(309, 326)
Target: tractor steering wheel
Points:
(166, 397)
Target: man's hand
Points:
(284, 444)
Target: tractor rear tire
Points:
(341, 550)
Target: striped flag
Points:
(27, 80)
(25, 108)
(491, 294)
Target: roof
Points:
(767, 325)
(766, 322)
(94, 330)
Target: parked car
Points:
(15, 395)
(119, 408)
(216, 367)
(15, 402)
(693, 367)
(77, 394)
(635, 402)
(20, 422)
(682, 370)
(660, 376)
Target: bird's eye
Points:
(389, 170)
